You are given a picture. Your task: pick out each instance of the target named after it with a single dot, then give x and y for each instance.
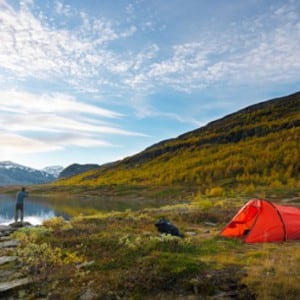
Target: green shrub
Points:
(41, 262)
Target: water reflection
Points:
(43, 207)
(35, 212)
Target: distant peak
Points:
(6, 163)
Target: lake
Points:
(40, 208)
(36, 210)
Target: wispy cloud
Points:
(14, 144)
(261, 49)
(32, 46)
(19, 144)
(53, 123)
(31, 122)
(85, 58)
(63, 9)
(57, 103)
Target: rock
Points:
(6, 286)
(190, 233)
(9, 244)
(88, 295)
(210, 223)
(4, 238)
(6, 230)
(7, 259)
(6, 273)
(86, 264)
(20, 224)
(4, 227)
(225, 295)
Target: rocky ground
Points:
(11, 278)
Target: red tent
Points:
(263, 221)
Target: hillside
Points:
(256, 146)
(75, 169)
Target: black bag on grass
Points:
(164, 226)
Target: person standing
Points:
(21, 195)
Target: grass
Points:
(121, 254)
(274, 270)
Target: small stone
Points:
(6, 273)
(20, 224)
(7, 259)
(9, 244)
(6, 286)
(4, 238)
(190, 233)
(5, 230)
(86, 264)
(88, 295)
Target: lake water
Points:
(38, 208)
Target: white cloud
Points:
(256, 48)
(14, 144)
(56, 103)
(18, 144)
(39, 123)
(53, 123)
(33, 47)
(63, 9)
(23, 111)
(252, 51)
(263, 49)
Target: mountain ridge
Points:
(237, 135)
(75, 169)
(15, 174)
(255, 145)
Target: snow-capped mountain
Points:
(15, 174)
(53, 170)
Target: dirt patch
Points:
(222, 284)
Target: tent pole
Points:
(281, 219)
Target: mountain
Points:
(75, 169)
(53, 170)
(256, 146)
(15, 174)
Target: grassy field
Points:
(120, 255)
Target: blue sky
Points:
(96, 81)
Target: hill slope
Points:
(258, 145)
(75, 169)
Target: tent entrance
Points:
(243, 221)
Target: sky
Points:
(96, 81)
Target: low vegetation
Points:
(120, 255)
